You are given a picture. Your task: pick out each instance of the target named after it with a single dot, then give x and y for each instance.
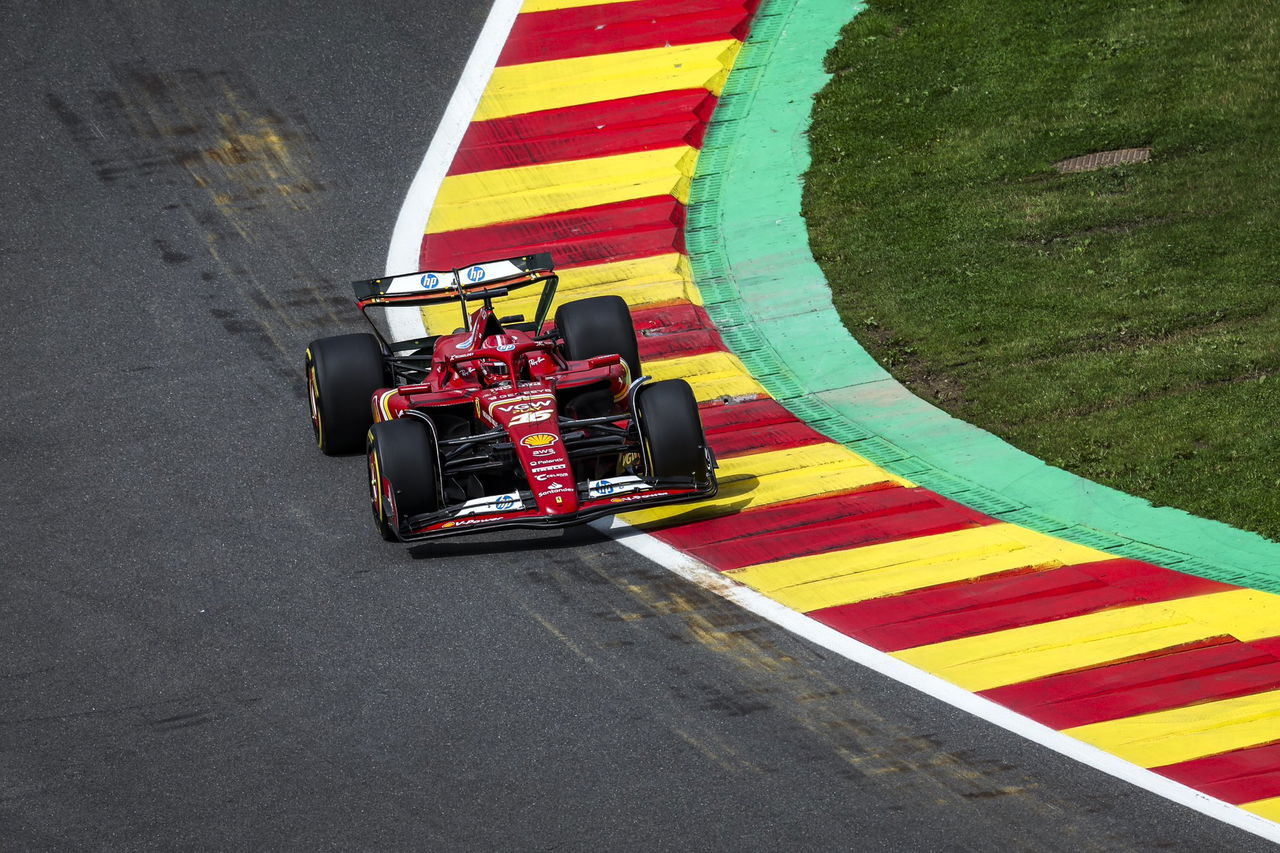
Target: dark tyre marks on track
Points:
(241, 174)
(204, 644)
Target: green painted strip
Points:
(749, 250)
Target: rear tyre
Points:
(342, 374)
(672, 430)
(600, 325)
(402, 472)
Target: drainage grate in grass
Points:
(1120, 323)
(1099, 159)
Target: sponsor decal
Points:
(552, 489)
(475, 274)
(430, 281)
(505, 347)
(539, 439)
(543, 451)
(625, 498)
(621, 486)
(462, 522)
(535, 360)
(504, 503)
(547, 465)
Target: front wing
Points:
(598, 498)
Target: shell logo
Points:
(538, 439)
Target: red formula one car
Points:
(504, 423)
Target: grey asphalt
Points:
(203, 642)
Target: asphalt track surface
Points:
(204, 644)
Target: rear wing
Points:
(429, 287)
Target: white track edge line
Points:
(402, 256)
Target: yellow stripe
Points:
(506, 195)
(711, 375)
(747, 482)
(655, 280)
(1021, 654)
(549, 5)
(890, 568)
(535, 86)
(1182, 734)
(1268, 808)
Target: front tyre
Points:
(403, 473)
(600, 325)
(342, 374)
(671, 430)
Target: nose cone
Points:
(550, 475)
(531, 419)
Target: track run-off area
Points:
(207, 646)
(586, 124)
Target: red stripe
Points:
(814, 526)
(662, 120)
(676, 330)
(718, 417)
(755, 426)
(561, 121)
(670, 319)
(590, 30)
(762, 439)
(1151, 683)
(815, 511)
(680, 345)
(1008, 601)
(1240, 776)
(638, 228)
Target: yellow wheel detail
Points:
(375, 485)
(313, 398)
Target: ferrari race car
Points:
(504, 423)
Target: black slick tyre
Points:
(671, 430)
(403, 472)
(600, 325)
(342, 374)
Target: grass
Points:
(1122, 323)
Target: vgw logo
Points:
(524, 406)
(475, 274)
